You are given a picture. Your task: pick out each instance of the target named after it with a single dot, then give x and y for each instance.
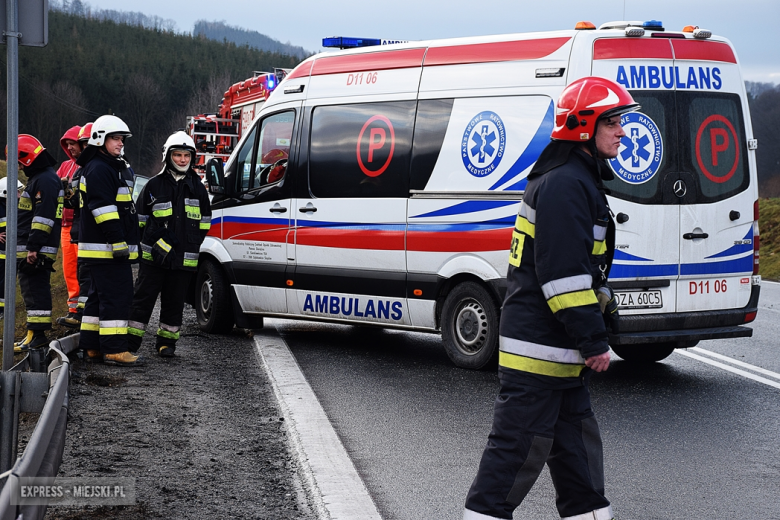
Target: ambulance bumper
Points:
(685, 327)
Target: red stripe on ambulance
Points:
(493, 52)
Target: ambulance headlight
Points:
(701, 34)
(635, 31)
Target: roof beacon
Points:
(632, 31)
(653, 25)
(699, 34)
(343, 42)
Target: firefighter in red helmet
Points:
(38, 234)
(553, 329)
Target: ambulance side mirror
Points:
(215, 176)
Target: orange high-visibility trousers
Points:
(70, 253)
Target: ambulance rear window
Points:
(693, 136)
(713, 143)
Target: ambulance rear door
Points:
(645, 269)
(715, 186)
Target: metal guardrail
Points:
(34, 392)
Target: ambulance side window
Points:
(433, 116)
(244, 161)
(361, 150)
(263, 161)
(273, 148)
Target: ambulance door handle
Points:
(309, 208)
(691, 236)
(277, 209)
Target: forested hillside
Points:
(220, 31)
(765, 112)
(152, 78)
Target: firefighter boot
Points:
(24, 344)
(124, 359)
(72, 320)
(166, 350)
(92, 356)
(34, 339)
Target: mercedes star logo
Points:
(679, 188)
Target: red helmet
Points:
(276, 154)
(85, 132)
(584, 102)
(29, 149)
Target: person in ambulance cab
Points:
(553, 328)
(174, 213)
(108, 243)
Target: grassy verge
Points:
(769, 227)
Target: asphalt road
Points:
(684, 439)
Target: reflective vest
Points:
(562, 243)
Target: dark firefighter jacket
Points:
(175, 218)
(562, 242)
(40, 210)
(107, 220)
(2, 228)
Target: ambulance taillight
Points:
(755, 238)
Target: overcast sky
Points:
(752, 25)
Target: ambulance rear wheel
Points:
(645, 353)
(469, 326)
(212, 299)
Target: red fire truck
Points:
(216, 135)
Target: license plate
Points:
(640, 300)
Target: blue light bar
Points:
(653, 25)
(270, 82)
(348, 43)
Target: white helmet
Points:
(4, 187)
(107, 125)
(178, 141)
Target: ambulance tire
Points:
(469, 326)
(645, 353)
(212, 299)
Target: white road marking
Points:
(731, 369)
(327, 469)
(733, 361)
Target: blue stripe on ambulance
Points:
(472, 206)
(744, 247)
(532, 152)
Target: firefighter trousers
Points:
(70, 254)
(171, 286)
(35, 286)
(533, 426)
(85, 280)
(104, 324)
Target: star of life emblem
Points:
(641, 149)
(483, 144)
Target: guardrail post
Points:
(38, 360)
(8, 414)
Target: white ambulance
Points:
(401, 168)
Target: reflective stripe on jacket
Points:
(40, 211)
(551, 321)
(175, 217)
(107, 217)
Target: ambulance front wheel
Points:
(212, 299)
(469, 326)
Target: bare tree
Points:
(143, 99)
(206, 99)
